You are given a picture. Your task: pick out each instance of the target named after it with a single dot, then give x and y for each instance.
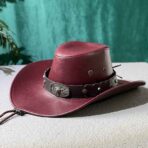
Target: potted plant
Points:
(7, 41)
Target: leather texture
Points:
(74, 60)
(27, 93)
(75, 63)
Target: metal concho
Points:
(57, 89)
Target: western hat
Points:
(79, 74)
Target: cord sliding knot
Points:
(12, 113)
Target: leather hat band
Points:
(78, 91)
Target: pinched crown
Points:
(81, 63)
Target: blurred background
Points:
(31, 30)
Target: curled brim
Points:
(27, 93)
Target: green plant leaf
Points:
(17, 56)
(11, 1)
(6, 39)
(3, 25)
(3, 3)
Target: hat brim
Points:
(27, 93)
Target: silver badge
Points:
(57, 89)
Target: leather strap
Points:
(11, 114)
(78, 91)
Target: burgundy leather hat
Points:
(80, 74)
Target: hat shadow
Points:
(130, 99)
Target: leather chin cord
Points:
(11, 114)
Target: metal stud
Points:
(115, 80)
(90, 73)
(85, 85)
(93, 84)
(84, 91)
(99, 88)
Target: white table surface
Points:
(119, 122)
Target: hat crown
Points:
(81, 63)
(77, 48)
